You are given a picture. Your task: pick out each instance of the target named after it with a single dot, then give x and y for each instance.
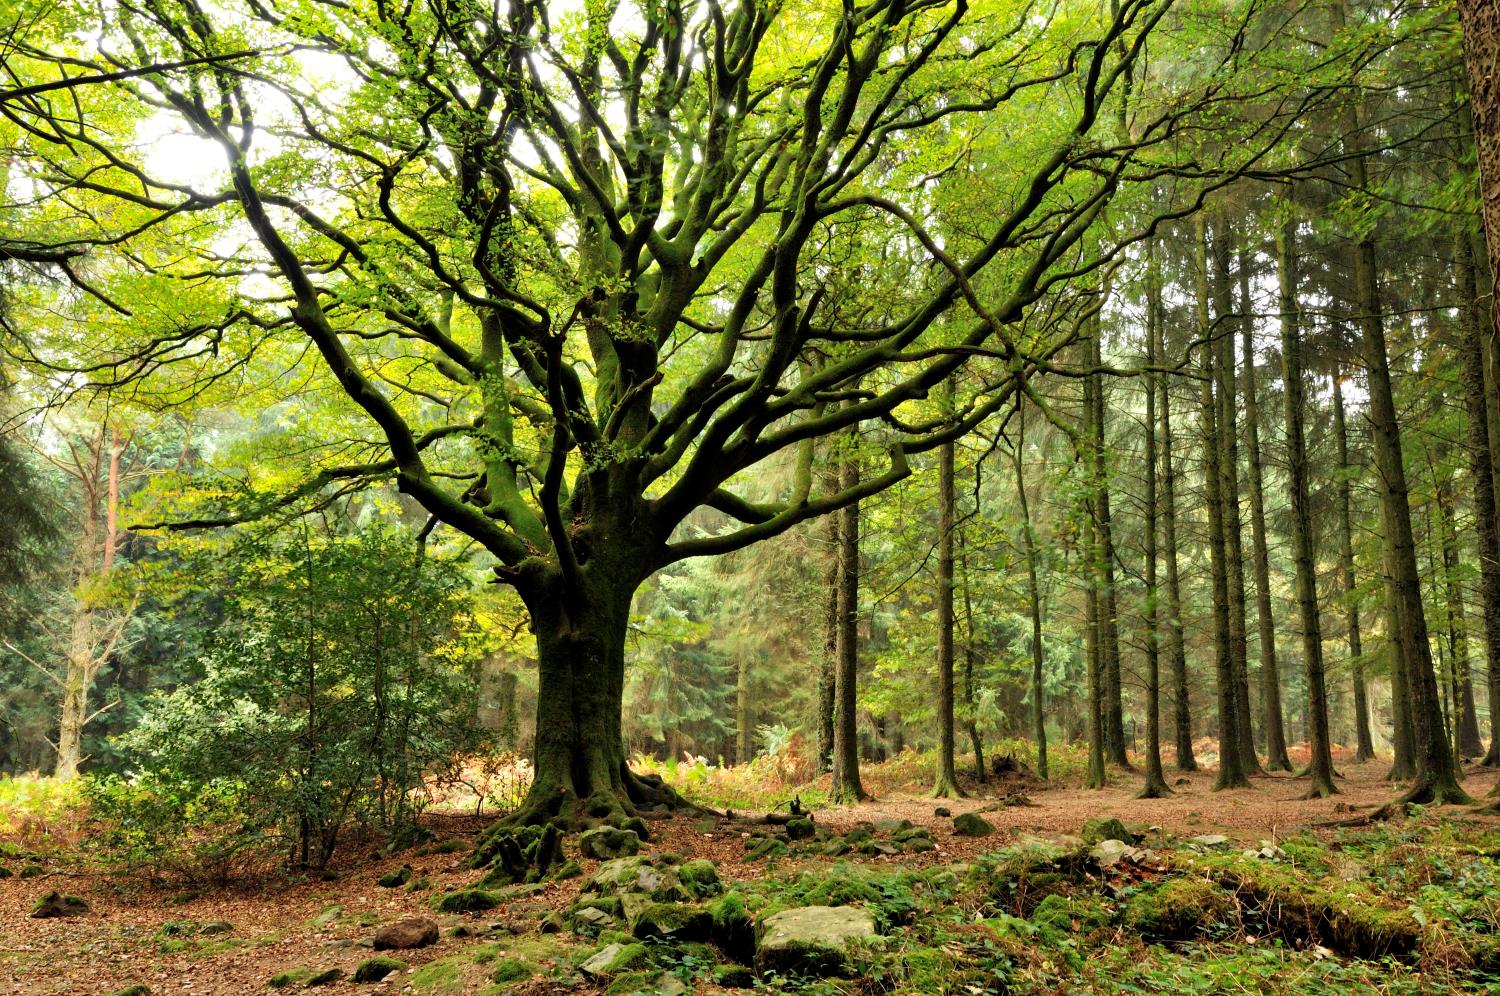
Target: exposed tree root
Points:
(613, 806)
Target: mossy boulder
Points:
(800, 828)
(972, 825)
(466, 901)
(734, 977)
(615, 958)
(395, 879)
(812, 940)
(700, 877)
(672, 921)
(639, 875)
(637, 826)
(32, 871)
(759, 849)
(1109, 828)
(55, 904)
(569, 869)
(1178, 909)
(608, 843)
(377, 968)
(326, 977)
(289, 978)
(733, 930)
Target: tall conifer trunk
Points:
(1182, 720)
(1232, 773)
(1270, 674)
(1365, 749)
(1320, 768)
(1436, 773)
(1034, 596)
(946, 782)
(1156, 782)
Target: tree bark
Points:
(1366, 745)
(1156, 783)
(1108, 601)
(744, 711)
(1436, 773)
(1471, 364)
(1034, 596)
(1270, 674)
(1229, 467)
(1232, 773)
(1461, 676)
(971, 707)
(846, 783)
(1176, 644)
(1320, 768)
(945, 785)
(829, 663)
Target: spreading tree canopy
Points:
(570, 272)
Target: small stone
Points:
(407, 932)
(1211, 839)
(394, 879)
(942, 811)
(1111, 828)
(1108, 853)
(800, 828)
(326, 977)
(216, 927)
(601, 961)
(552, 923)
(327, 915)
(590, 920)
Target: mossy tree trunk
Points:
(1108, 597)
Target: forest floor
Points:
(144, 933)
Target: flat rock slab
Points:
(811, 940)
(407, 932)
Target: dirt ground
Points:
(276, 925)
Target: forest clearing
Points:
(830, 496)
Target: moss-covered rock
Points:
(911, 833)
(615, 958)
(569, 869)
(972, 825)
(637, 826)
(672, 921)
(376, 968)
(55, 904)
(32, 871)
(326, 977)
(700, 878)
(811, 940)
(395, 879)
(139, 989)
(1178, 909)
(639, 875)
(800, 828)
(289, 978)
(734, 977)
(1109, 828)
(607, 843)
(466, 901)
(733, 930)
(765, 847)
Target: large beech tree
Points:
(580, 272)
